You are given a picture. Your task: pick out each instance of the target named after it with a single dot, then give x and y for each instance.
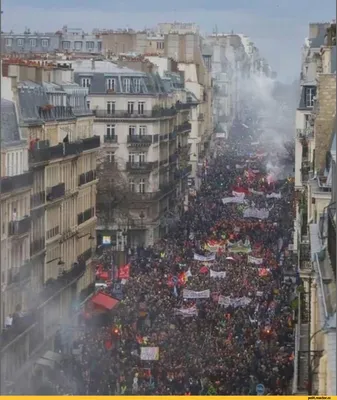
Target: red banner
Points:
(124, 272)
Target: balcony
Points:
(332, 236)
(307, 133)
(46, 154)
(17, 182)
(111, 139)
(140, 140)
(37, 199)
(183, 172)
(125, 114)
(141, 167)
(72, 148)
(20, 227)
(56, 192)
(172, 136)
(86, 255)
(85, 215)
(87, 177)
(91, 143)
(185, 127)
(37, 246)
(185, 106)
(163, 137)
(19, 275)
(140, 197)
(173, 158)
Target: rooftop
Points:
(105, 67)
(10, 133)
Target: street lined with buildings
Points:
(107, 138)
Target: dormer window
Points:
(136, 85)
(127, 85)
(309, 96)
(86, 82)
(111, 84)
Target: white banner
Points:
(251, 212)
(274, 196)
(191, 294)
(186, 312)
(255, 260)
(227, 200)
(233, 301)
(238, 194)
(149, 353)
(240, 166)
(255, 171)
(256, 192)
(198, 257)
(239, 249)
(218, 274)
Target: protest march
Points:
(206, 310)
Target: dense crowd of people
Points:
(207, 309)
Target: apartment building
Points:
(69, 40)
(315, 225)
(141, 127)
(56, 122)
(16, 188)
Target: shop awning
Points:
(104, 300)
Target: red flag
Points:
(203, 270)
(124, 272)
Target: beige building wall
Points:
(325, 117)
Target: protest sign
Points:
(149, 353)
(191, 294)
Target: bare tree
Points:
(113, 205)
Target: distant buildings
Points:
(315, 225)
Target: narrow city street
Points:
(206, 310)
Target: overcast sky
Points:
(278, 27)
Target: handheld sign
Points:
(260, 389)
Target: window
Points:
(142, 130)
(310, 93)
(88, 104)
(20, 42)
(141, 157)
(85, 82)
(111, 84)
(130, 107)
(66, 45)
(160, 45)
(127, 84)
(78, 46)
(110, 130)
(90, 46)
(32, 42)
(141, 107)
(136, 85)
(132, 157)
(110, 107)
(9, 42)
(45, 43)
(132, 130)
(111, 156)
(132, 185)
(99, 46)
(142, 185)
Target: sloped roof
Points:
(10, 133)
